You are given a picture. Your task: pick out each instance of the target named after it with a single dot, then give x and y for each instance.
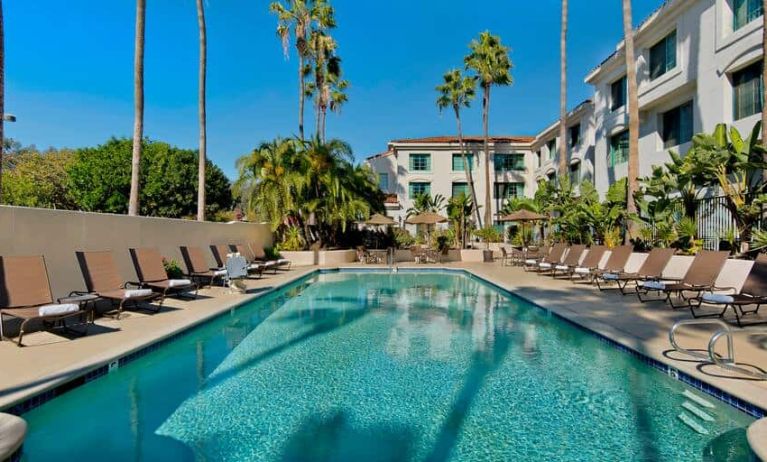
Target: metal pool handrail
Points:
(687, 322)
(730, 363)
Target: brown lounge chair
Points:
(700, 277)
(25, 294)
(753, 293)
(197, 266)
(102, 279)
(533, 255)
(258, 251)
(590, 263)
(555, 256)
(615, 265)
(651, 269)
(572, 259)
(254, 267)
(151, 274)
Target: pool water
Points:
(361, 366)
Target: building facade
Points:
(699, 63)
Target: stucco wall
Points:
(57, 234)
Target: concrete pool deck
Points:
(50, 360)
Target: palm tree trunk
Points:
(202, 112)
(485, 127)
(631, 78)
(467, 167)
(323, 119)
(563, 94)
(2, 98)
(138, 108)
(301, 94)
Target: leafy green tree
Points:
(99, 180)
(489, 59)
(459, 210)
(38, 179)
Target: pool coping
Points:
(88, 371)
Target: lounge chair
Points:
(533, 256)
(753, 293)
(152, 275)
(197, 266)
(511, 257)
(25, 294)
(260, 253)
(700, 277)
(555, 256)
(572, 259)
(254, 266)
(590, 263)
(615, 265)
(651, 269)
(102, 279)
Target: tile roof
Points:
(467, 139)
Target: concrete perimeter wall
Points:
(57, 234)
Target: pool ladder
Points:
(723, 331)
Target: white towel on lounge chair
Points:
(653, 285)
(581, 270)
(255, 266)
(219, 272)
(718, 298)
(270, 263)
(544, 264)
(531, 262)
(610, 277)
(283, 261)
(59, 308)
(561, 267)
(179, 282)
(134, 293)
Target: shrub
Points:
(172, 268)
(402, 238)
(292, 239)
(488, 234)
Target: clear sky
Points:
(69, 69)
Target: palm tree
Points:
(297, 20)
(563, 93)
(138, 115)
(328, 87)
(631, 81)
(426, 203)
(459, 210)
(2, 97)
(457, 92)
(490, 60)
(202, 112)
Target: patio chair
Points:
(260, 254)
(152, 275)
(555, 256)
(25, 294)
(615, 265)
(419, 254)
(197, 266)
(102, 279)
(753, 293)
(511, 257)
(700, 277)
(572, 259)
(651, 269)
(590, 263)
(254, 266)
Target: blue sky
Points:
(69, 69)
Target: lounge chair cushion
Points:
(653, 285)
(581, 270)
(718, 298)
(531, 262)
(255, 266)
(544, 264)
(219, 272)
(179, 282)
(57, 309)
(283, 261)
(610, 276)
(136, 293)
(561, 267)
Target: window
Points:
(619, 148)
(552, 145)
(461, 188)
(575, 173)
(745, 11)
(618, 93)
(509, 162)
(383, 182)
(458, 162)
(677, 125)
(663, 56)
(420, 162)
(575, 134)
(747, 91)
(416, 189)
(538, 156)
(509, 190)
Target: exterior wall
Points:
(57, 234)
(708, 52)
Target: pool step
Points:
(698, 412)
(698, 400)
(690, 421)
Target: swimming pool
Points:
(422, 366)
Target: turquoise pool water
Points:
(430, 366)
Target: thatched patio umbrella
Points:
(379, 220)
(426, 218)
(523, 216)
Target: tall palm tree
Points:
(631, 81)
(297, 19)
(2, 97)
(328, 86)
(490, 60)
(138, 108)
(202, 111)
(563, 93)
(457, 92)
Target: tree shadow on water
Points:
(335, 438)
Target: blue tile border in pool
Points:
(100, 371)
